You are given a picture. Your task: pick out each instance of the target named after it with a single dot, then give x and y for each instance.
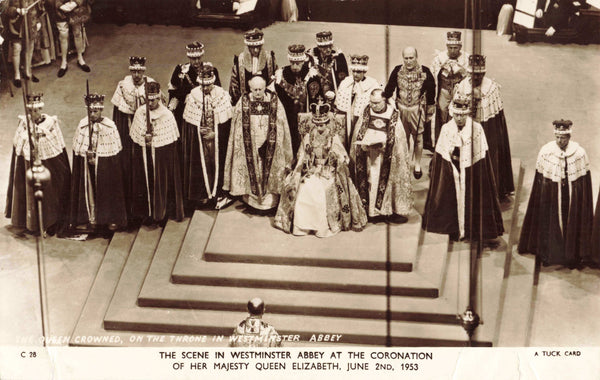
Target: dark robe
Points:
(480, 217)
(291, 91)
(558, 222)
(490, 114)
(328, 81)
(105, 175)
(156, 183)
(181, 84)
(218, 119)
(20, 201)
(241, 72)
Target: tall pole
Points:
(470, 320)
(37, 175)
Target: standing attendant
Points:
(354, 93)
(253, 61)
(462, 200)
(329, 67)
(379, 154)
(290, 86)
(156, 171)
(70, 16)
(205, 134)
(97, 193)
(50, 146)
(489, 112)
(185, 78)
(449, 68)
(414, 87)
(558, 223)
(259, 148)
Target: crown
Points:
(562, 127)
(194, 50)
(359, 62)
(153, 89)
(297, 53)
(254, 37)
(476, 63)
(94, 101)
(461, 104)
(453, 38)
(324, 38)
(137, 63)
(207, 74)
(320, 112)
(35, 100)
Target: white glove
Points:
(22, 11)
(173, 104)
(539, 13)
(236, 6)
(68, 7)
(550, 32)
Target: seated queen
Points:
(318, 195)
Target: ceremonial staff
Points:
(90, 158)
(148, 141)
(37, 175)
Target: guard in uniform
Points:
(414, 87)
(354, 92)
(449, 68)
(253, 331)
(253, 61)
(290, 86)
(70, 16)
(97, 191)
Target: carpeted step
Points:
(257, 241)
(158, 291)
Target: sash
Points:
(270, 148)
(361, 161)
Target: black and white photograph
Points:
(248, 188)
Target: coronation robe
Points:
(97, 193)
(20, 202)
(245, 67)
(326, 73)
(448, 73)
(156, 172)
(318, 195)
(204, 152)
(351, 100)
(558, 222)
(183, 80)
(127, 98)
(462, 186)
(490, 114)
(254, 332)
(291, 91)
(259, 149)
(382, 178)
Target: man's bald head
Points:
(409, 56)
(257, 87)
